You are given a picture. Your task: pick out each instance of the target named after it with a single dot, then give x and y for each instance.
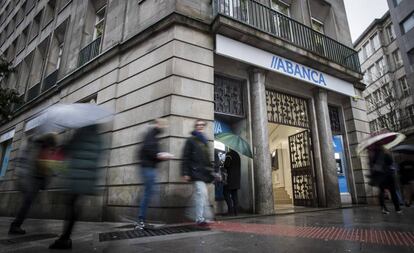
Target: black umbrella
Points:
(404, 149)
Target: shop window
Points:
(5, 147)
(408, 23)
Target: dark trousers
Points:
(28, 197)
(24, 208)
(230, 195)
(72, 214)
(390, 185)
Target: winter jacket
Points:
(232, 166)
(196, 160)
(150, 149)
(83, 152)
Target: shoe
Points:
(385, 211)
(140, 225)
(61, 244)
(399, 211)
(16, 230)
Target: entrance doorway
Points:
(290, 151)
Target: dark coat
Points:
(83, 152)
(381, 168)
(196, 161)
(232, 166)
(150, 149)
(406, 172)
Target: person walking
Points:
(197, 168)
(407, 179)
(150, 155)
(382, 175)
(232, 167)
(83, 153)
(33, 175)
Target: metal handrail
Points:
(266, 19)
(89, 52)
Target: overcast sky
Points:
(362, 12)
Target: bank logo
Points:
(297, 70)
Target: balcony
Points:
(269, 21)
(33, 92)
(50, 80)
(89, 52)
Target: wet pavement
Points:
(363, 229)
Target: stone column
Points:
(261, 154)
(330, 175)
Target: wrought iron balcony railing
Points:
(89, 52)
(33, 92)
(50, 80)
(264, 18)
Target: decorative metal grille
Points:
(301, 165)
(286, 109)
(228, 96)
(334, 119)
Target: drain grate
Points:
(131, 234)
(28, 238)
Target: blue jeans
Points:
(148, 174)
(202, 205)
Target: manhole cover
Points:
(28, 238)
(131, 234)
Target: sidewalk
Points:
(362, 229)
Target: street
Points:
(362, 229)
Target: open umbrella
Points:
(67, 116)
(404, 149)
(235, 142)
(388, 140)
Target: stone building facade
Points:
(281, 74)
(388, 92)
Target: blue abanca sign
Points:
(297, 70)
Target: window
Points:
(380, 67)
(375, 42)
(396, 55)
(99, 23)
(23, 39)
(405, 90)
(411, 56)
(369, 103)
(372, 73)
(378, 98)
(408, 23)
(410, 110)
(59, 59)
(396, 2)
(281, 7)
(36, 26)
(5, 149)
(49, 12)
(317, 25)
(373, 126)
(387, 92)
(361, 56)
(367, 49)
(390, 32)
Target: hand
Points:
(164, 156)
(187, 178)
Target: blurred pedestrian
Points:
(232, 166)
(382, 175)
(150, 156)
(83, 152)
(32, 173)
(407, 179)
(198, 169)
